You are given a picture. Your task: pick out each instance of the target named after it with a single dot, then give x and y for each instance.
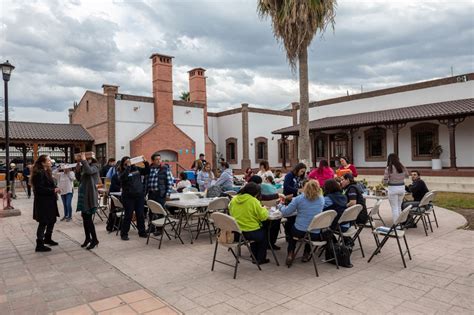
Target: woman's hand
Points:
(57, 190)
(83, 156)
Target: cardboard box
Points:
(137, 159)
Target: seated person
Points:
(278, 177)
(249, 214)
(226, 179)
(268, 187)
(354, 197)
(306, 206)
(183, 182)
(335, 200)
(418, 189)
(248, 174)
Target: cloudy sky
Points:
(61, 48)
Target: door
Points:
(338, 147)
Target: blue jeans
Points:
(259, 246)
(67, 203)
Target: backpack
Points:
(214, 191)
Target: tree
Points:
(294, 23)
(184, 96)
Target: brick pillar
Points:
(245, 137)
(197, 90)
(162, 73)
(71, 111)
(110, 91)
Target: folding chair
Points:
(422, 212)
(231, 193)
(120, 214)
(321, 221)
(217, 205)
(432, 209)
(397, 231)
(225, 223)
(186, 214)
(349, 216)
(162, 222)
(375, 211)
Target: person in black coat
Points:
(45, 204)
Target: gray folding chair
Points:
(217, 205)
(375, 211)
(349, 216)
(321, 222)
(423, 210)
(225, 223)
(120, 213)
(396, 231)
(162, 222)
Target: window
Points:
(231, 150)
(101, 153)
(261, 149)
(320, 147)
(424, 136)
(283, 147)
(375, 144)
(87, 106)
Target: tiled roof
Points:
(464, 107)
(20, 130)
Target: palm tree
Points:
(184, 96)
(294, 23)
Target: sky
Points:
(61, 48)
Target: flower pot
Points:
(436, 164)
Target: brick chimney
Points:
(71, 111)
(110, 89)
(162, 76)
(197, 90)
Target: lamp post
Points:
(7, 69)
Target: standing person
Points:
(322, 173)
(133, 195)
(160, 181)
(45, 205)
(87, 172)
(199, 163)
(346, 167)
(249, 214)
(26, 178)
(65, 179)
(293, 180)
(105, 169)
(13, 172)
(394, 177)
(205, 177)
(305, 206)
(264, 170)
(226, 180)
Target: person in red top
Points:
(322, 173)
(346, 167)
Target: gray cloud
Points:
(62, 48)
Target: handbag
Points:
(343, 254)
(225, 237)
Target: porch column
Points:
(245, 162)
(350, 151)
(283, 151)
(35, 151)
(395, 130)
(451, 124)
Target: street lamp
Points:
(7, 69)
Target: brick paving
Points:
(439, 279)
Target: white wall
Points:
(191, 121)
(465, 143)
(262, 125)
(230, 126)
(441, 93)
(131, 119)
(213, 129)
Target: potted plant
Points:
(435, 154)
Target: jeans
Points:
(300, 234)
(89, 228)
(28, 187)
(67, 204)
(40, 232)
(133, 204)
(395, 197)
(259, 246)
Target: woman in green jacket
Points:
(249, 214)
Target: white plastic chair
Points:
(162, 222)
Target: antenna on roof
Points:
(347, 91)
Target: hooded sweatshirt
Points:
(248, 212)
(336, 201)
(226, 180)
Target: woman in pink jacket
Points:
(322, 173)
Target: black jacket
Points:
(131, 180)
(45, 204)
(418, 189)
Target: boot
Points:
(40, 247)
(49, 241)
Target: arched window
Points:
(261, 149)
(283, 147)
(424, 137)
(231, 150)
(375, 144)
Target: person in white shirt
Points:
(65, 182)
(264, 171)
(183, 182)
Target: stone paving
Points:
(439, 279)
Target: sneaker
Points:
(63, 218)
(68, 219)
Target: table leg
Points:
(270, 243)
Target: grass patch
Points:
(458, 202)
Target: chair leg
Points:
(334, 253)
(253, 257)
(360, 245)
(401, 251)
(408, 249)
(314, 258)
(214, 258)
(380, 217)
(436, 219)
(377, 250)
(148, 236)
(209, 230)
(236, 262)
(429, 221)
(176, 234)
(161, 238)
(425, 225)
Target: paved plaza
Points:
(131, 277)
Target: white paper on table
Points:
(66, 166)
(137, 159)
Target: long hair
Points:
(331, 186)
(311, 190)
(38, 167)
(322, 165)
(298, 167)
(393, 160)
(122, 163)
